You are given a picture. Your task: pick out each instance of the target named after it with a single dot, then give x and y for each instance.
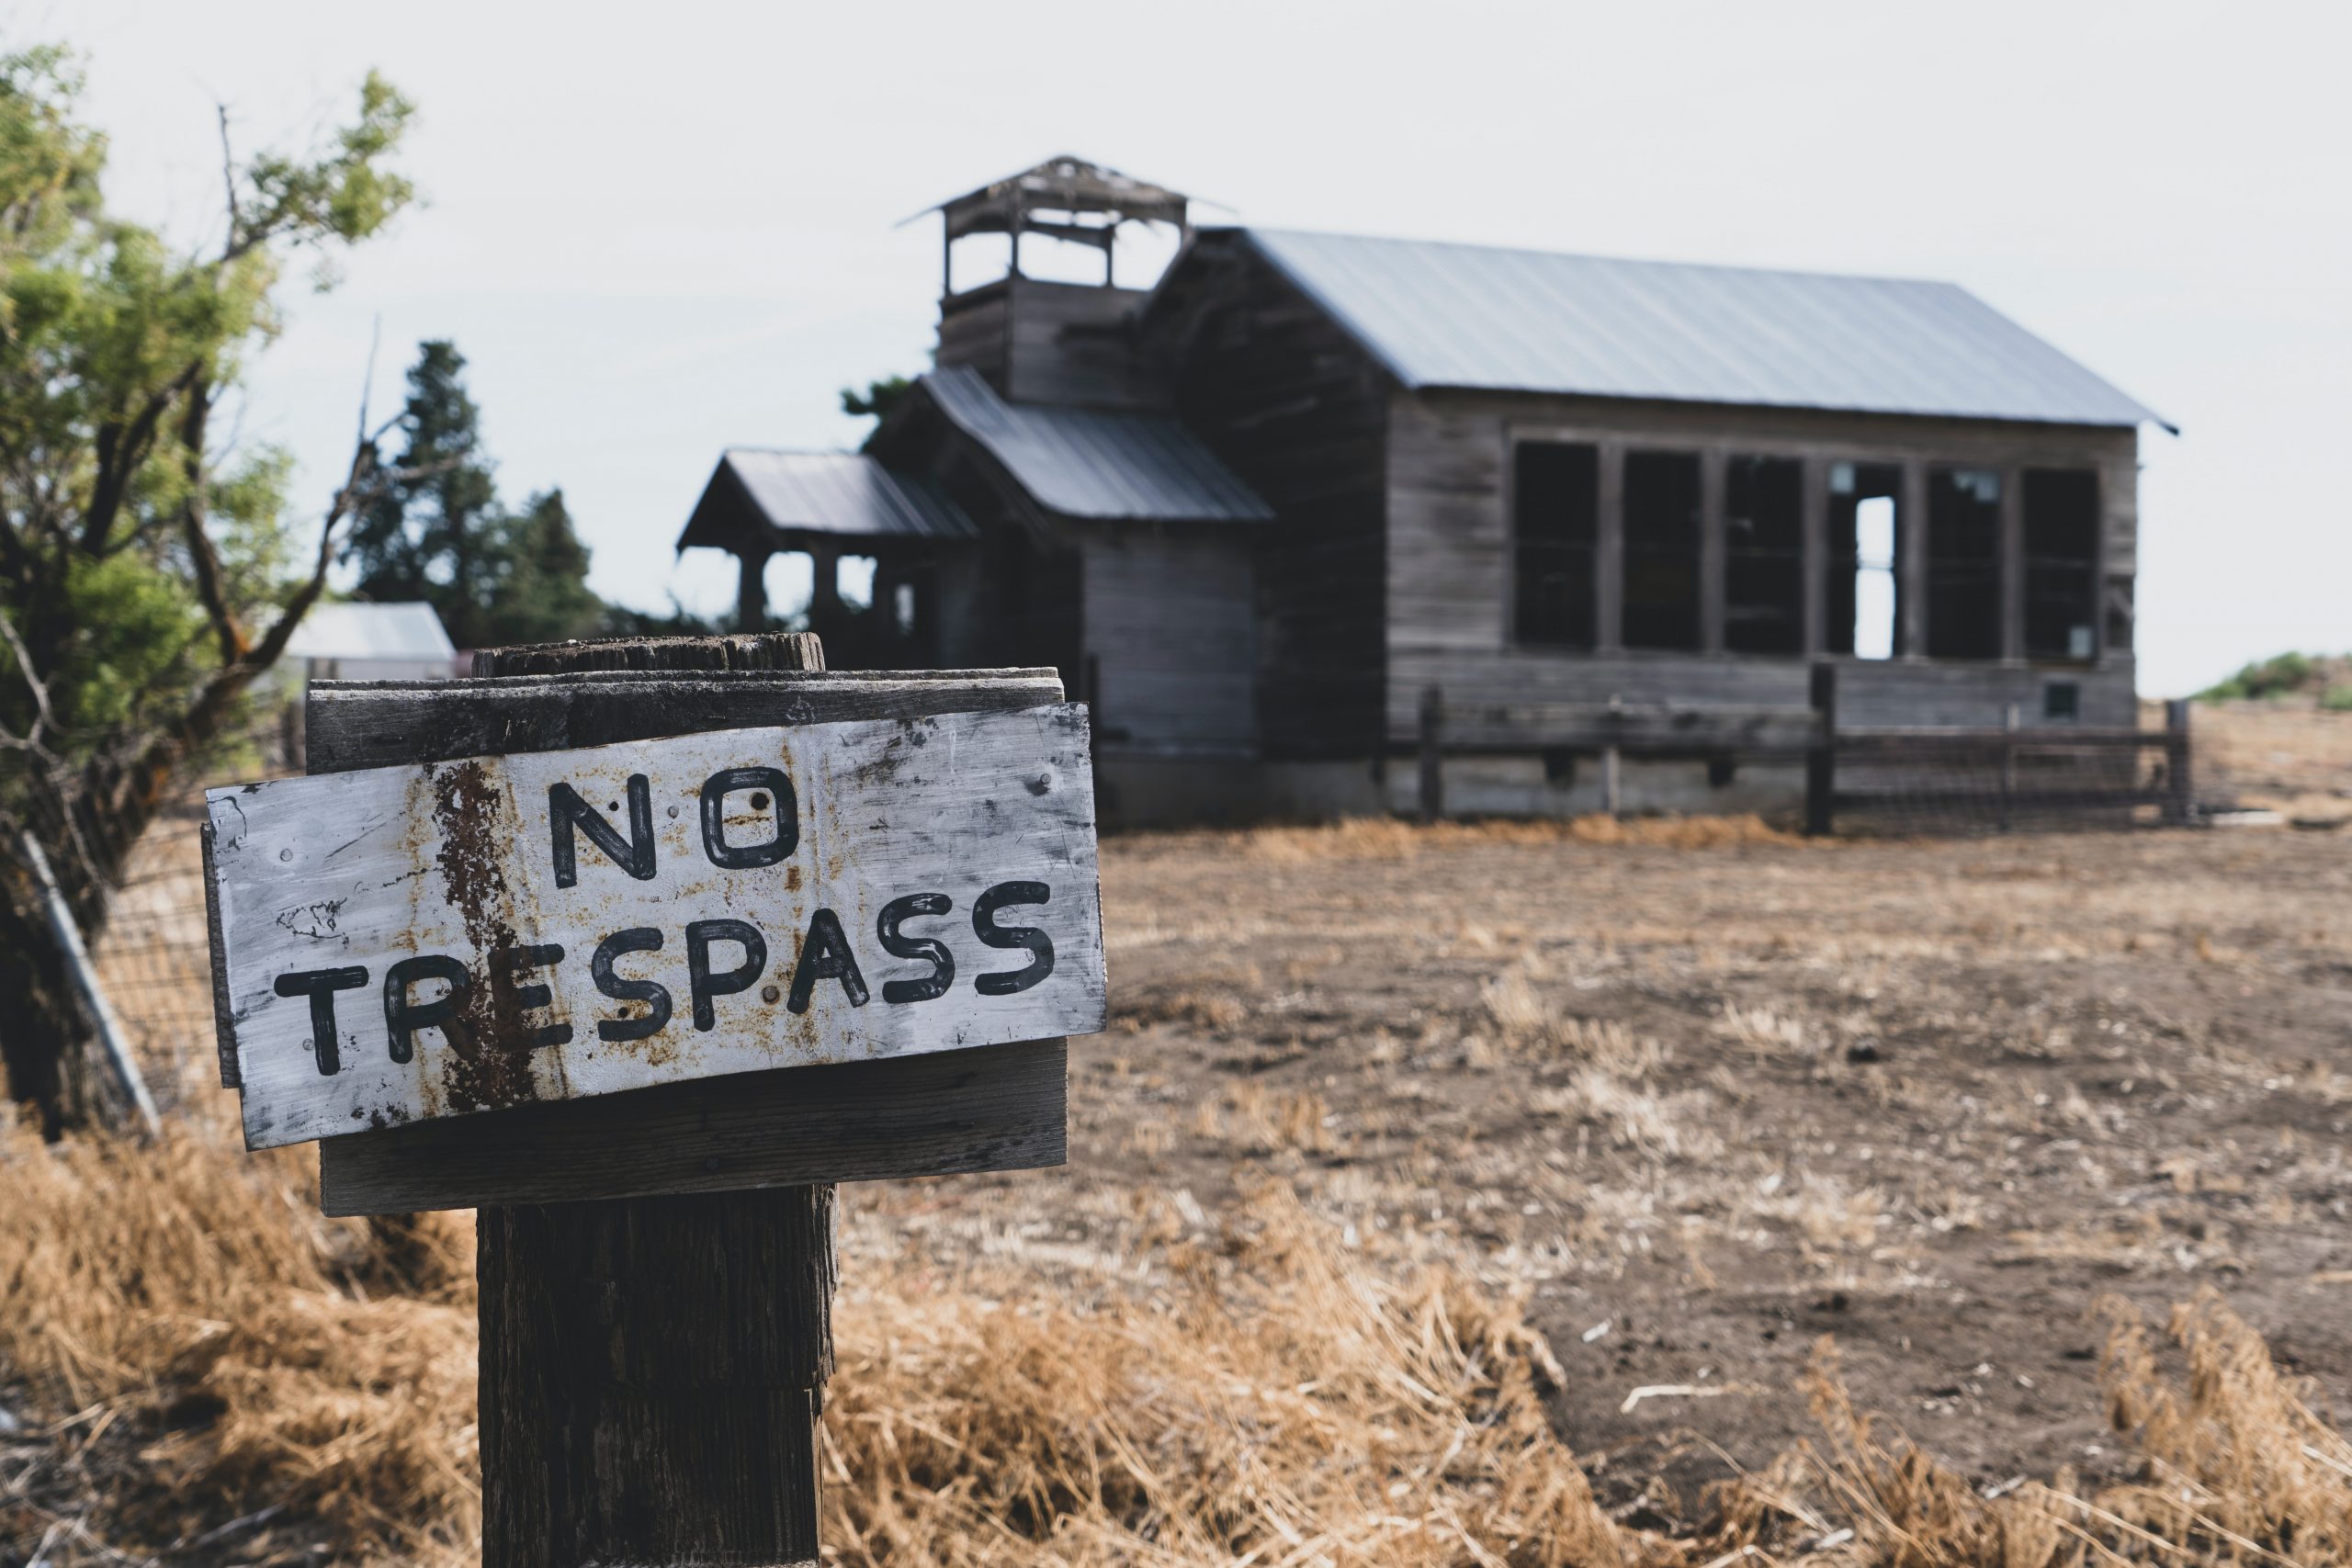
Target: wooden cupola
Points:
(1041, 341)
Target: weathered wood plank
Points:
(990, 1108)
(1297, 408)
(1643, 730)
(652, 1374)
(374, 724)
(455, 893)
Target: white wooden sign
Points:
(404, 943)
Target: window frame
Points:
(1629, 554)
(1794, 554)
(2090, 565)
(1520, 547)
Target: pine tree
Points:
(495, 577)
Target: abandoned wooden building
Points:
(1255, 511)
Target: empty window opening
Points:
(1963, 563)
(2118, 614)
(2060, 563)
(1764, 555)
(853, 581)
(789, 580)
(1556, 505)
(1661, 585)
(902, 608)
(1864, 599)
(2062, 702)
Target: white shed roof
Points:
(352, 630)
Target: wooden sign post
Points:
(638, 948)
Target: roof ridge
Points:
(1605, 258)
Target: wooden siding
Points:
(972, 333)
(1449, 560)
(1298, 410)
(1171, 638)
(1069, 343)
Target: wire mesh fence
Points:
(154, 963)
(1970, 781)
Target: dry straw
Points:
(1274, 1399)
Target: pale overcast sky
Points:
(659, 230)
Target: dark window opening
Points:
(2062, 701)
(1764, 555)
(1555, 503)
(1963, 563)
(1661, 587)
(1865, 608)
(2060, 563)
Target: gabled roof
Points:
(1059, 184)
(842, 493)
(1091, 464)
(358, 630)
(1473, 316)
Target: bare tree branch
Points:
(202, 556)
(121, 448)
(43, 718)
(229, 178)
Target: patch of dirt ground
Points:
(1710, 1102)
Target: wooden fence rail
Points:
(2037, 771)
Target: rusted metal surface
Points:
(487, 932)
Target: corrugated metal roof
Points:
(845, 492)
(1475, 316)
(1085, 463)
(362, 631)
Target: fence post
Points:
(1432, 754)
(2010, 723)
(85, 975)
(1612, 800)
(653, 1368)
(2180, 799)
(1820, 758)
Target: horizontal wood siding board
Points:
(1869, 692)
(378, 724)
(1172, 624)
(995, 1108)
(1071, 344)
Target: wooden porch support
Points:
(751, 590)
(1814, 521)
(825, 590)
(1911, 561)
(1714, 553)
(2012, 564)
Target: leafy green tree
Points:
(878, 399)
(542, 595)
(147, 573)
(441, 536)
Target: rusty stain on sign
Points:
(445, 939)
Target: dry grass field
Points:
(1489, 1194)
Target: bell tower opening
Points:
(1024, 303)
